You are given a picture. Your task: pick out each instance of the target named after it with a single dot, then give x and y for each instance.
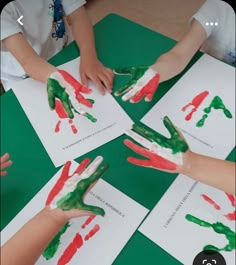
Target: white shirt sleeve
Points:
(212, 11)
(9, 24)
(70, 6)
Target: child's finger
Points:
(92, 167)
(3, 173)
(99, 85)
(136, 148)
(85, 89)
(139, 162)
(5, 164)
(67, 108)
(93, 209)
(82, 166)
(132, 92)
(4, 158)
(138, 96)
(60, 183)
(83, 100)
(84, 80)
(106, 80)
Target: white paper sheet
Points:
(217, 137)
(167, 226)
(65, 145)
(122, 218)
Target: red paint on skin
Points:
(88, 221)
(148, 90)
(83, 100)
(196, 102)
(231, 198)
(92, 232)
(77, 87)
(64, 177)
(231, 216)
(82, 166)
(59, 184)
(60, 110)
(71, 250)
(209, 200)
(155, 160)
(57, 127)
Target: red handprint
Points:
(230, 216)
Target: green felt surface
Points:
(119, 42)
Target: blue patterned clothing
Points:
(44, 27)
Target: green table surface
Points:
(119, 42)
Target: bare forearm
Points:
(83, 32)
(173, 62)
(38, 68)
(25, 247)
(33, 65)
(214, 172)
(169, 65)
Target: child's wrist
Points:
(188, 160)
(88, 54)
(154, 67)
(56, 216)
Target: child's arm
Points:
(68, 195)
(58, 81)
(173, 155)
(33, 65)
(4, 163)
(25, 247)
(90, 66)
(212, 171)
(173, 62)
(144, 80)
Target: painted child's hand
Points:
(143, 83)
(64, 87)
(69, 192)
(95, 71)
(4, 163)
(163, 153)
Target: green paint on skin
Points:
(55, 90)
(134, 72)
(201, 122)
(74, 199)
(175, 142)
(86, 114)
(216, 103)
(52, 247)
(219, 228)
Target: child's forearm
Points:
(33, 65)
(169, 65)
(25, 247)
(83, 32)
(173, 62)
(211, 171)
(39, 69)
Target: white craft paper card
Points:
(168, 227)
(217, 136)
(65, 145)
(122, 217)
